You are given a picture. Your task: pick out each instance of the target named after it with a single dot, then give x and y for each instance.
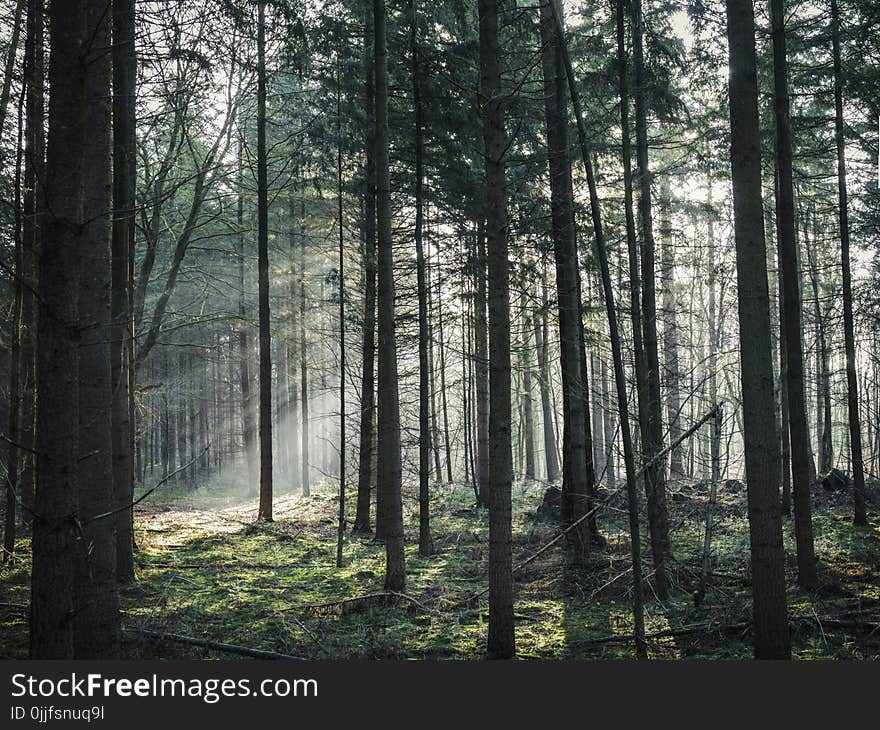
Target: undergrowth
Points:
(206, 569)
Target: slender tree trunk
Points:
(388, 458)
(340, 536)
(616, 348)
(652, 434)
(541, 349)
(800, 454)
(501, 644)
(265, 508)
(860, 516)
(481, 366)
(425, 546)
(10, 62)
(528, 412)
(34, 198)
(670, 331)
(770, 627)
(366, 462)
(247, 411)
(124, 79)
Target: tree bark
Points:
(788, 263)
(860, 516)
(770, 633)
(265, 423)
(501, 642)
(388, 458)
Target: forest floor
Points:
(207, 570)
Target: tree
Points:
(265, 427)
(425, 546)
(388, 461)
(788, 264)
(575, 485)
(368, 357)
(501, 642)
(122, 244)
(860, 516)
(771, 635)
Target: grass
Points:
(206, 569)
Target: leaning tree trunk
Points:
(388, 457)
(770, 620)
(501, 644)
(860, 516)
(788, 264)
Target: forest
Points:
(393, 329)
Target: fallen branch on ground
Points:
(208, 644)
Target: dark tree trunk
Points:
(860, 516)
(247, 412)
(265, 423)
(425, 546)
(366, 459)
(652, 431)
(501, 644)
(770, 629)
(481, 366)
(575, 477)
(124, 79)
(32, 227)
(616, 348)
(55, 549)
(788, 264)
(96, 632)
(388, 458)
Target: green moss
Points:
(205, 568)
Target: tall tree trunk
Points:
(32, 227)
(788, 261)
(247, 411)
(652, 433)
(481, 365)
(425, 546)
(340, 535)
(124, 79)
(388, 458)
(770, 620)
(541, 349)
(501, 644)
(96, 632)
(528, 411)
(55, 549)
(860, 516)
(265, 508)
(366, 460)
(670, 331)
(616, 348)
(10, 62)
(575, 484)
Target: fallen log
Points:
(208, 644)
